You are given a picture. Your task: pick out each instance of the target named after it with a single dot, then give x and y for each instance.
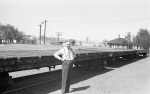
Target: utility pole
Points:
(40, 33)
(87, 39)
(129, 39)
(45, 30)
(58, 34)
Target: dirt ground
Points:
(130, 78)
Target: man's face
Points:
(68, 45)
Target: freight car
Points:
(87, 57)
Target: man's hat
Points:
(67, 42)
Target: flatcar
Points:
(86, 57)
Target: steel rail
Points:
(24, 87)
(30, 85)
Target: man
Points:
(68, 55)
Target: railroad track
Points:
(57, 77)
(30, 86)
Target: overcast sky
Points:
(77, 19)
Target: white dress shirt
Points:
(67, 54)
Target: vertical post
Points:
(58, 34)
(87, 39)
(5, 81)
(58, 39)
(40, 33)
(45, 30)
(129, 39)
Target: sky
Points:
(77, 19)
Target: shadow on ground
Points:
(79, 88)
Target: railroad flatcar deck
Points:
(28, 59)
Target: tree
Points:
(128, 42)
(10, 33)
(128, 36)
(142, 38)
(20, 36)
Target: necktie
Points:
(69, 54)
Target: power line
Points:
(103, 21)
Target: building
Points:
(28, 39)
(54, 41)
(49, 41)
(119, 43)
(103, 44)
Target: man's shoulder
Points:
(61, 49)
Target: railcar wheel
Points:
(144, 55)
(105, 62)
(49, 68)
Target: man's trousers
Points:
(66, 75)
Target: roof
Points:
(118, 41)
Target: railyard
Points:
(35, 58)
